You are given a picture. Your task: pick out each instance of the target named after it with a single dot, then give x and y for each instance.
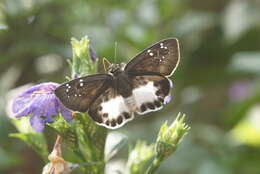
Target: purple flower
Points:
(92, 53)
(41, 104)
(167, 99)
(239, 91)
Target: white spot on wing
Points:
(148, 51)
(80, 80)
(161, 44)
(81, 84)
(151, 54)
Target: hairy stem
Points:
(154, 166)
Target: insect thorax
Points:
(116, 68)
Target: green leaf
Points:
(65, 130)
(34, 140)
(85, 138)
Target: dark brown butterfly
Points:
(140, 86)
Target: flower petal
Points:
(45, 105)
(67, 114)
(92, 53)
(41, 104)
(23, 104)
(167, 99)
(37, 123)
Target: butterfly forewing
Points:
(79, 94)
(163, 57)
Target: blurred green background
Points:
(216, 83)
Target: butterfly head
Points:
(116, 68)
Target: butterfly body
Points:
(122, 83)
(141, 86)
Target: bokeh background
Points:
(216, 83)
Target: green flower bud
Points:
(80, 47)
(169, 137)
(82, 63)
(139, 157)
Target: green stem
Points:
(154, 166)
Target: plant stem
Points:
(154, 166)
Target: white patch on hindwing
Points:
(112, 109)
(143, 96)
(146, 94)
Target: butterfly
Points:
(142, 85)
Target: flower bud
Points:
(170, 136)
(140, 156)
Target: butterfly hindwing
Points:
(79, 94)
(110, 109)
(162, 57)
(150, 92)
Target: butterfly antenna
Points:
(115, 52)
